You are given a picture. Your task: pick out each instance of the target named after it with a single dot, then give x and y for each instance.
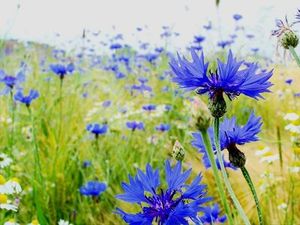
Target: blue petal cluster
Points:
(199, 144)
(230, 78)
(163, 127)
(97, 129)
(62, 70)
(19, 96)
(175, 205)
(93, 188)
(231, 134)
(134, 125)
(212, 215)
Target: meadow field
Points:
(74, 124)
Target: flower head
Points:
(93, 188)
(97, 129)
(33, 94)
(211, 215)
(199, 144)
(134, 125)
(229, 78)
(62, 70)
(175, 205)
(237, 17)
(149, 107)
(11, 81)
(163, 127)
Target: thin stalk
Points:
(295, 55)
(213, 164)
(37, 173)
(252, 188)
(225, 176)
(279, 147)
(12, 121)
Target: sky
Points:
(39, 20)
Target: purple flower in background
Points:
(289, 81)
(223, 44)
(237, 17)
(93, 188)
(33, 94)
(97, 129)
(134, 125)
(199, 39)
(149, 107)
(208, 26)
(212, 215)
(115, 46)
(62, 70)
(11, 81)
(106, 103)
(163, 127)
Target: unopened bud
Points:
(201, 115)
(289, 39)
(236, 157)
(178, 152)
(217, 105)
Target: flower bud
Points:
(178, 152)
(236, 157)
(201, 115)
(289, 39)
(217, 105)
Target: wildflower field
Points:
(148, 135)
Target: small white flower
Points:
(294, 169)
(10, 187)
(63, 222)
(8, 206)
(292, 128)
(11, 222)
(270, 158)
(4, 161)
(262, 151)
(282, 206)
(291, 116)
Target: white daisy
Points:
(4, 161)
(10, 187)
(291, 116)
(63, 222)
(5, 203)
(11, 222)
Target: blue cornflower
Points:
(199, 144)
(237, 17)
(175, 205)
(115, 46)
(231, 135)
(93, 188)
(149, 107)
(134, 125)
(163, 127)
(106, 103)
(229, 78)
(62, 70)
(33, 94)
(298, 17)
(289, 81)
(223, 44)
(199, 39)
(86, 163)
(211, 215)
(11, 81)
(208, 26)
(97, 129)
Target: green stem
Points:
(251, 186)
(295, 55)
(225, 176)
(213, 164)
